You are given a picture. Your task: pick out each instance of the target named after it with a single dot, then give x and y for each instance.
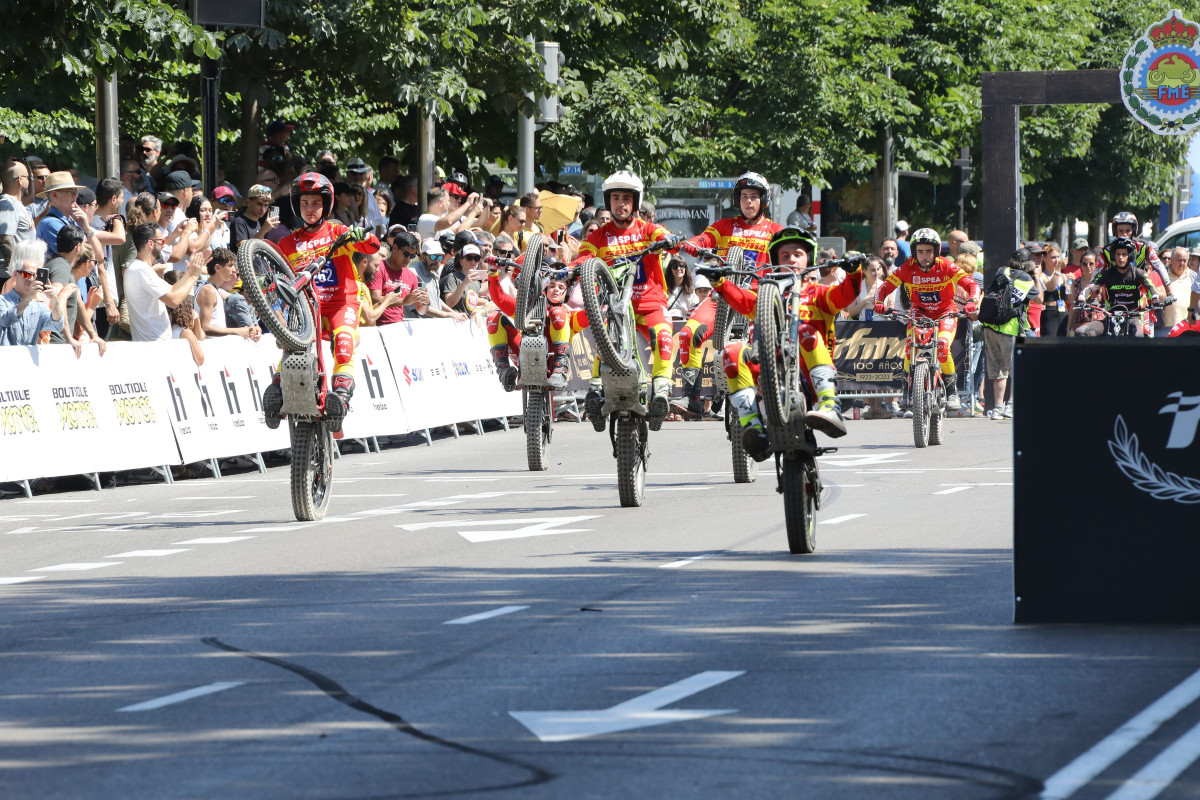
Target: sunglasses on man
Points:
(505, 253)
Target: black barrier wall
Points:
(1106, 481)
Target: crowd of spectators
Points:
(147, 255)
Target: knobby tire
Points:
(745, 468)
(529, 282)
(631, 467)
(937, 414)
(615, 341)
(774, 373)
(799, 503)
(921, 394)
(259, 266)
(537, 423)
(312, 470)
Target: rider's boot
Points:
(337, 402)
(593, 404)
(952, 401)
(826, 415)
(689, 376)
(660, 402)
(754, 438)
(272, 403)
(560, 354)
(504, 368)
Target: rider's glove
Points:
(671, 242)
(1169, 299)
(969, 308)
(690, 249)
(356, 234)
(854, 263)
(714, 274)
(880, 308)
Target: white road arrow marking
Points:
(480, 617)
(843, 518)
(640, 712)
(179, 697)
(953, 490)
(532, 526)
(859, 460)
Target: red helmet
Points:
(312, 183)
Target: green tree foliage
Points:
(800, 90)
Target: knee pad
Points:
(665, 341)
(943, 350)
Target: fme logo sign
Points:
(1160, 76)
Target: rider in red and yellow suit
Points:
(931, 279)
(628, 233)
(336, 287)
(790, 248)
(562, 322)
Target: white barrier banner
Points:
(376, 409)
(216, 409)
(63, 415)
(444, 372)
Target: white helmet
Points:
(624, 180)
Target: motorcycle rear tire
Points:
(799, 503)
(312, 470)
(537, 423)
(631, 460)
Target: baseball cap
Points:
(1034, 248)
(1079, 243)
(470, 250)
(432, 247)
(454, 188)
(258, 190)
(167, 199)
(357, 166)
(86, 196)
(179, 180)
(901, 226)
(279, 126)
(1195, 252)
(969, 248)
(222, 192)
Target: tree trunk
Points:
(251, 117)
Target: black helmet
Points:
(752, 180)
(460, 180)
(446, 240)
(1122, 243)
(786, 235)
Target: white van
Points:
(1185, 233)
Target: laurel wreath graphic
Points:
(1146, 475)
(1135, 104)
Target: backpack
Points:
(996, 306)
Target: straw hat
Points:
(56, 181)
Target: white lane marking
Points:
(954, 490)
(149, 553)
(677, 488)
(77, 567)
(974, 484)
(932, 469)
(66, 517)
(531, 526)
(26, 529)
(1151, 780)
(24, 517)
(221, 497)
(686, 561)
(495, 612)
(10, 581)
(402, 494)
(862, 459)
(179, 697)
(215, 512)
(844, 518)
(55, 500)
(640, 712)
(461, 480)
(215, 540)
(1108, 751)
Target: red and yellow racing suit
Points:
(704, 314)
(819, 307)
(649, 287)
(336, 286)
(737, 232)
(932, 295)
(564, 322)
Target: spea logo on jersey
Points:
(1160, 76)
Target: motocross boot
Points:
(689, 376)
(504, 368)
(337, 402)
(755, 442)
(826, 415)
(593, 405)
(952, 401)
(560, 354)
(272, 403)
(660, 402)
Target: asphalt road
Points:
(192, 641)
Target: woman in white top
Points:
(863, 307)
(681, 291)
(211, 231)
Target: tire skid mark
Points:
(335, 690)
